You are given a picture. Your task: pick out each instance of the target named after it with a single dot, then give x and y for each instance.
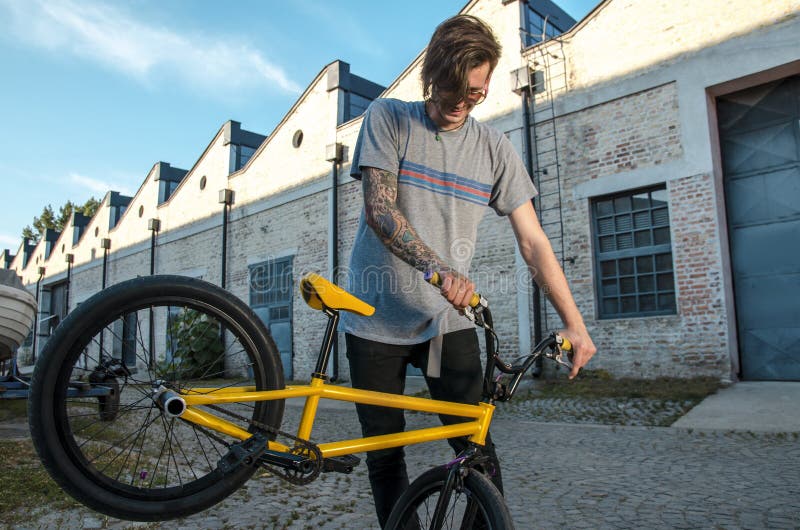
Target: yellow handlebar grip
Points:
(433, 278)
(565, 344)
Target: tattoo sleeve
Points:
(391, 226)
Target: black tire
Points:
(477, 495)
(139, 463)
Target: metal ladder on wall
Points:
(548, 80)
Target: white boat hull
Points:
(17, 311)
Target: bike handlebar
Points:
(435, 279)
(554, 347)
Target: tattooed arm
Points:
(394, 230)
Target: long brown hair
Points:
(458, 45)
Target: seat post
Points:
(321, 369)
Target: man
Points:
(428, 170)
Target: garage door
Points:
(760, 135)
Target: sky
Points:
(93, 93)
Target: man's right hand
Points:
(457, 289)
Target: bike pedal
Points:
(247, 452)
(340, 464)
(288, 461)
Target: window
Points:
(357, 105)
(536, 25)
(297, 138)
(271, 283)
(633, 254)
(77, 232)
(115, 214)
(242, 154)
(165, 189)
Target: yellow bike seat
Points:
(319, 292)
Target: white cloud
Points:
(98, 187)
(7, 241)
(118, 40)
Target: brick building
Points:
(663, 137)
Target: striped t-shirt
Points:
(445, 182)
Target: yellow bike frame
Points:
(481, 415)
(322, 295)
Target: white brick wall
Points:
(635, 112)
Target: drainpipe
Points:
(36, 315)
(226, 199)
(70, 259)
(333, 154)
(537, 298)
(105, 244)
(154, 225)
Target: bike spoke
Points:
(106, 426)
(140, 452)
(130, 451)
(203, 448)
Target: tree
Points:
(45, 221)
(64, 214)
(48, 218)
(28, 233)
(90, 207)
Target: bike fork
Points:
(453, 476)
(454, 480)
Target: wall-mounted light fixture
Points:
(226, 196)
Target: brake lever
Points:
(561, 352)
(563, 358)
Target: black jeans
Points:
(382, 367)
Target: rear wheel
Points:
(475, 503)
(96, 418)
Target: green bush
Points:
(196, 344)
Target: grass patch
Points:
(25, 484)
(13, 409)
(592, 384)
(599, 384)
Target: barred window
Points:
(271, 283)
(633, 254)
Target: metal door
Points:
(281, 330)
(271, 299)
(760, 137)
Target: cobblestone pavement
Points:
(556, 475)
(603, 411)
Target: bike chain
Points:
(301, 448)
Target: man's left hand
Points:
(582, 348)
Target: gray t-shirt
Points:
(445, 181)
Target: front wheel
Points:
(475, 503)
(96, 417)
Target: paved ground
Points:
(556, 475)
(748, 406)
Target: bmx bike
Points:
(200, 410)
